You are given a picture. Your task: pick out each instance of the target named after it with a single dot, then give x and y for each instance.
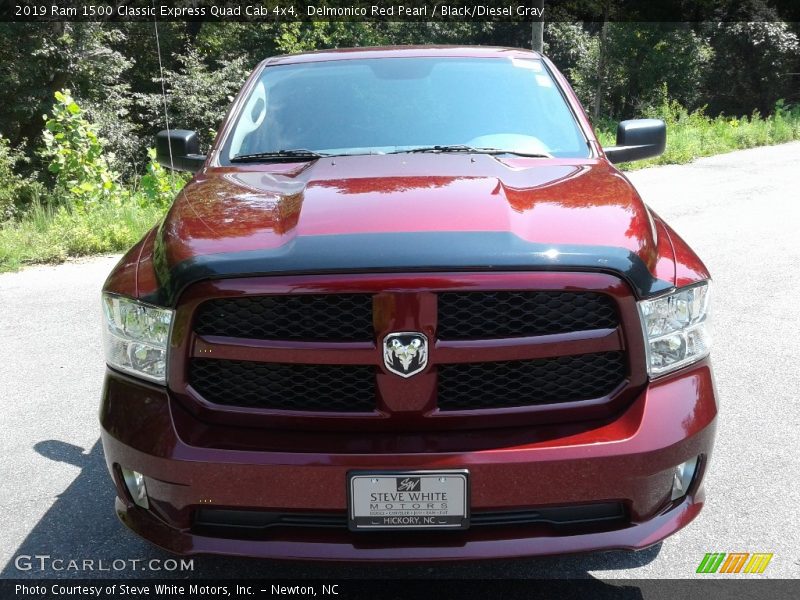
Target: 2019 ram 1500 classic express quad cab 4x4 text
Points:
(407, 309)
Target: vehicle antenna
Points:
(164, 97)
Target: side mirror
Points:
(185, 150)
(638, 139)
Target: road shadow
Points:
(81, 525)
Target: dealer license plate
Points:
(408, 500)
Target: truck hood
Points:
(403, 211)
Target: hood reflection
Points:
(266, 206)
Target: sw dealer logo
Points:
(408, 484)
(736, 562)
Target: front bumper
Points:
(628, 459)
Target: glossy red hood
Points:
(548, 201)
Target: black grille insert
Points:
(262, 519)
(325, 317)
(472, 386)
(237, 523)
(476, 315)
(278, 386)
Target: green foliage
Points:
(92, 187)
(197, 95)
(753, 60)
(567, 43)
(8, 181)
(158, 187)
(88, 211)
(122, 140)
(16, 191)
(76, 158)
(37, 59)
(628, 70)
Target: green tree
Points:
(752, 65)
(197, 97)
(38, 59)
(636, 61)
(566, 43)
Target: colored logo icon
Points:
(734, 562)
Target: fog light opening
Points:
(683, 477)
(134, 481)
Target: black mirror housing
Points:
(638, 139)
(185, 150)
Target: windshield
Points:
(399, 104)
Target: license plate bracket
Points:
(407, 500)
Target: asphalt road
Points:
(739, 211)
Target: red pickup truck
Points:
(408, 310)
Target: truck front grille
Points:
(332, 317)
(527, 383)
(488, 349)
(476, 315)
(470, 386)
(461, 315)
(277, 386)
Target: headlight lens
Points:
(676, 328)
(136, 337)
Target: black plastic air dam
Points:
(403, 252)
(239, 523)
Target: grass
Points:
(45, 235)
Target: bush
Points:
(158, 186)
(88, 211)
(75, 154)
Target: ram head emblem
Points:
(405, 353)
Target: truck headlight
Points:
(676, 328)
(136, 337)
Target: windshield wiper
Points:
(437, 149)
(470, 149)
(279, 155)
(496, 151)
